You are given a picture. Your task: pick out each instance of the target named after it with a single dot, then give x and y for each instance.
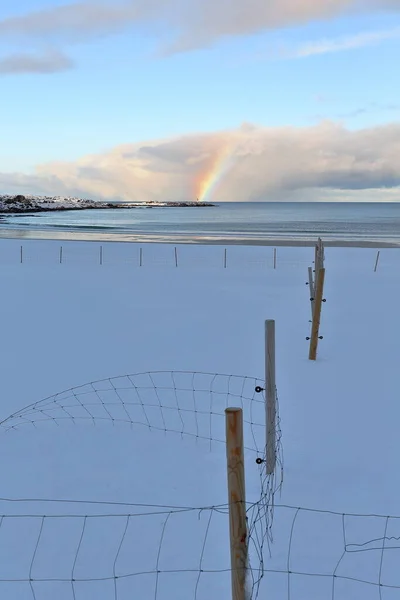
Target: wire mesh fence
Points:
(153, 552)
(146, 552)
(189, 404)
(150, 256)
(75, 550)
(333, 556)
(179, 552)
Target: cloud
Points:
(328, 46)
(187, 24)
(249, 163)
(49, 62)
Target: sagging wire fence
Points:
(187, 404)
(190, 404)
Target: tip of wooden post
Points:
(233, 410)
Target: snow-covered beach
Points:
(99, 311)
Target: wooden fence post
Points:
(237, 501)
(270, 404)
(377, 260)
(312, 291)
(316, 264)
(319, 292)
(319, 258)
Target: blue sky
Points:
(120, 91)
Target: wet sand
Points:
(159, 238)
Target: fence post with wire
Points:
(237, 502)
(270, 404)
(316, 288)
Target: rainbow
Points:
(220, 165)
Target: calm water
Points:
(229, 222)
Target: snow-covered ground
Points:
(68, 324)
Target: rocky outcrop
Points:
(30, 204)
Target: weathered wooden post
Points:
(319, 292)
(319, 258)
(316, 264)
(377, 260)
(270, 396)
(237, 501)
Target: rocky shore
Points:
(34, 204)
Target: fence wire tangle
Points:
(186, 403)
(333, 556)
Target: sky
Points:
(221, 100)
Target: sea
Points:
(371, 224)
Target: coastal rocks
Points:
(29, 204)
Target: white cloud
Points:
(326, 161)
(187, 24)
(327, 46)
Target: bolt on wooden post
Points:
(270, 396)
(237, 502)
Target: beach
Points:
(269, 224)
(188, 240)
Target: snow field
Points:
(77, 322)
